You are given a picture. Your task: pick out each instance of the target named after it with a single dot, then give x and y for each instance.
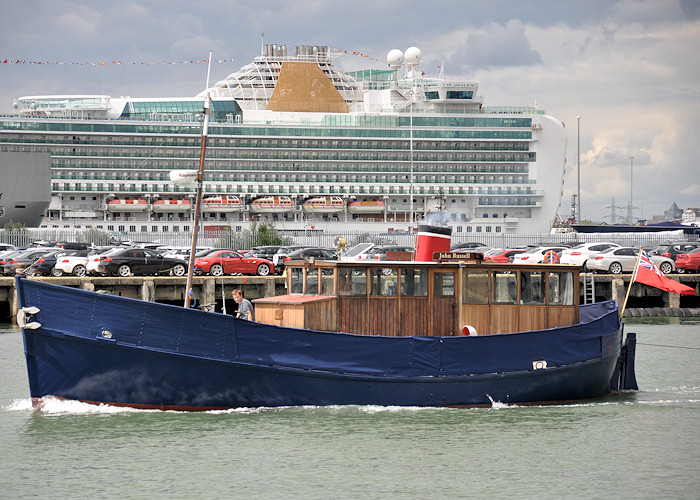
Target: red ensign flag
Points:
(646, 272)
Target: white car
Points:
(578, 255)
(536, 255)
(356, 253)
(624, 259)
(182, 253)
(75, 264)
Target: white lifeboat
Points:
(324, 204)
(178, 205)
(222, 203)
(268, 204)
(127, 205)
(366, 207)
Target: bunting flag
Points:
(648, 273)
(113, 63)
(359, 54)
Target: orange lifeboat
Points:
(366, 207)
(127, 205)
(172, 205)
(267, 204)
(222, 203)
(324, 204)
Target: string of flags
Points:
(359, 54)
(113, 63)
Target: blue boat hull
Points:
(104, 349)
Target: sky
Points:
(630, 69)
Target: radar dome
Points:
(395, 58)
(413, 56)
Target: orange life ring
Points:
(551, 257)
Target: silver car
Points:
(618, 260)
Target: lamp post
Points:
(629, 215)
(410, 226)
(578, 166)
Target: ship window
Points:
(476, 287)
(352, 281)
(532, 287)
(505, 290)
(414, 282)
(460, 94)
(311, 281)
(561, 289)
(384, 282)
(433, 94)
(444, 285)
(296, 280)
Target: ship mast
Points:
(206, 111)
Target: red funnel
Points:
(432, 239)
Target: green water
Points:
(634, 445)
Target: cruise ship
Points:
(297, 142)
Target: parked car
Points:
(502, 255)
(127, 261)
(75, 263)
(356, 253)
(623, 259)
(223, 262)
(671, 250)
(316, 253)
(688, 261)
(536, 255)
(379, 252)
(18, 261)
(466, 247)
(182, 253)
(264, 252)
(46, 264)
(5, 247)
(93, 261)
(579, 254)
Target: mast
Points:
(200, 174)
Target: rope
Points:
(672, 346)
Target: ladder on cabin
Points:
(588, 288)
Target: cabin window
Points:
(505, 287)
(327, 282)
(384, 282)
(296, 280)
(444, 285)
(311, 281)
(352, 281)
(532, 287)
(414, 282)
(476, 287)
(561, 289)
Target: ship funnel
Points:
(432, 239)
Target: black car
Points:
(670, 250)
(128, 261)
(264, 252)
(46, 264)
(316, 253)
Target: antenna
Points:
(208, 71)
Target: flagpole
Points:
(634, 274)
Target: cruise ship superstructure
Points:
(295, 141)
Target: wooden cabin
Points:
(404, 298)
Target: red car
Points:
(222, 262)
(688, 261)
(502, 255)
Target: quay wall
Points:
(643, 300)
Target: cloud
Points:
(496, 45)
